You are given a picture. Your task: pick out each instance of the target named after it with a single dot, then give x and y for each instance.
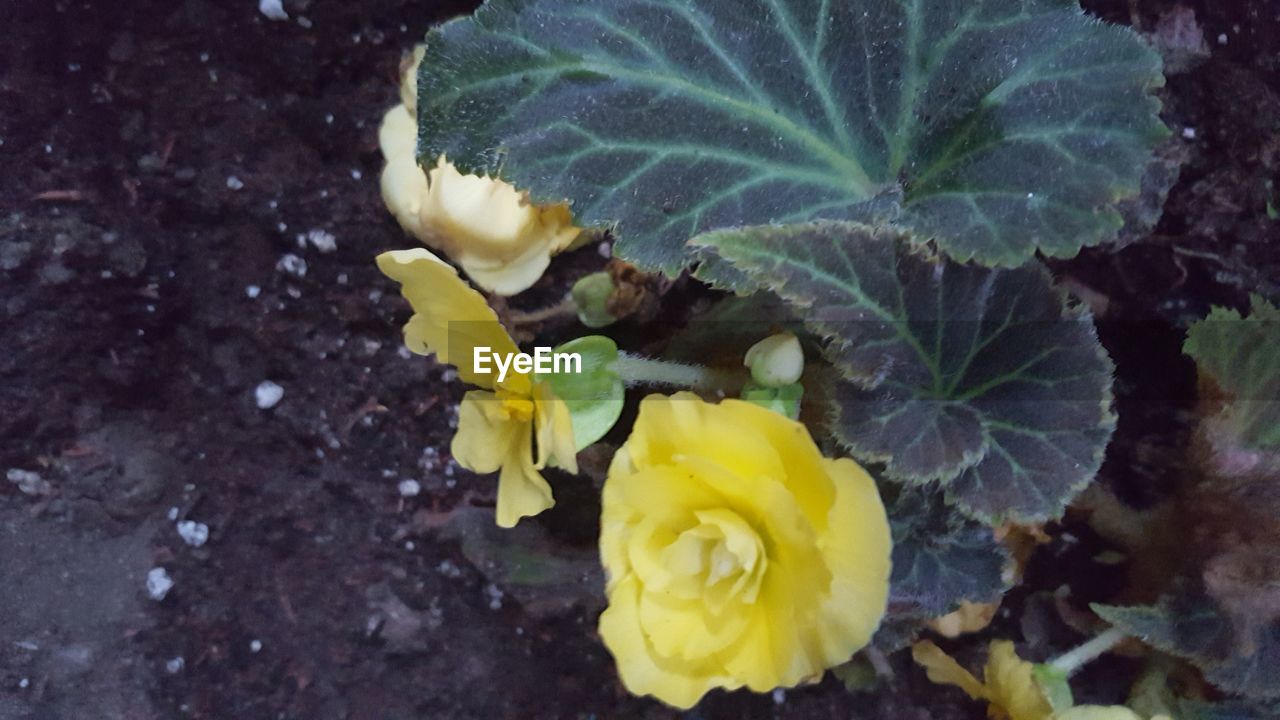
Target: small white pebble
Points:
(48, 149)
(30, 483)
(255, 646)
(158, 583)
(268, 394)
(605, 249)
(328, 120)
(293, 265)
(408, 545)
(342, 278)
(323, 241)
(1222, 39)
(193, 533)
(173, 513)
(495, 596)
(356, 174)
(273, 9)
(779, 696)
(1189, 133)
(24, 683)
(252, 291)
(204, 57)
(409, 488)
(282, 226)
(305, 22)
(234, 183)
(174, 666)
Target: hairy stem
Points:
(1074, 659)
(636, 370)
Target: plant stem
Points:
(1074, 659)
(564, 307)
(636, 370)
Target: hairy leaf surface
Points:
(996, 127)
(1242, 356)
(982, 379)
(1190, 625)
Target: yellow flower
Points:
(737, 554)
(1008, 686)
(499, 425)
(500, 238)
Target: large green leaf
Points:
(1190, 625)
(984, 380)
(996, 127)
(1242, 356)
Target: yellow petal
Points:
(857, 551)
(409, 78)
(502, 276)
(485, 434)
(644, 672)
(450, 319)
(398, 135)
(944, 670)
(554, 429)
(404, 184)
(522, 491)
(970, 617)
(1011, 684)
(471, 212)
(1098, 712)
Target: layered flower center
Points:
(721, 558)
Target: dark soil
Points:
(161, 158)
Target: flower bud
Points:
(776, 360)
(591, 297)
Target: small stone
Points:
(1189, 133)
(1222, 39)
(30, 483)
(158, 583)
(323, 241)
(234, 183)
(174, 666)
(409, 488)
(779, 696)
(252, 291)
(255, 646)
(193, 533)
(24, 683)
(273, 9)
(293, 265)
(268, 394)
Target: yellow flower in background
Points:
(497, 426)
(1009, 686)
(494, 232)
(737, 554)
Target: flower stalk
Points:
(1072, 660)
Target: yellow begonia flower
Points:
(499, 425)
(500, 238)
(1008, 686)
(736, 553)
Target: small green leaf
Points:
(595, 395)
(984, 380)
(1190, 625)
(1240, 355)
(1053, 684)
(995, 127)
(783, 400)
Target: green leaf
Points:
(939, 558)
(984, 380)
(1190, 625)
(595, 395)
(1054, 686)
(1240, 355)
(996, 127)
(1228, 710)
